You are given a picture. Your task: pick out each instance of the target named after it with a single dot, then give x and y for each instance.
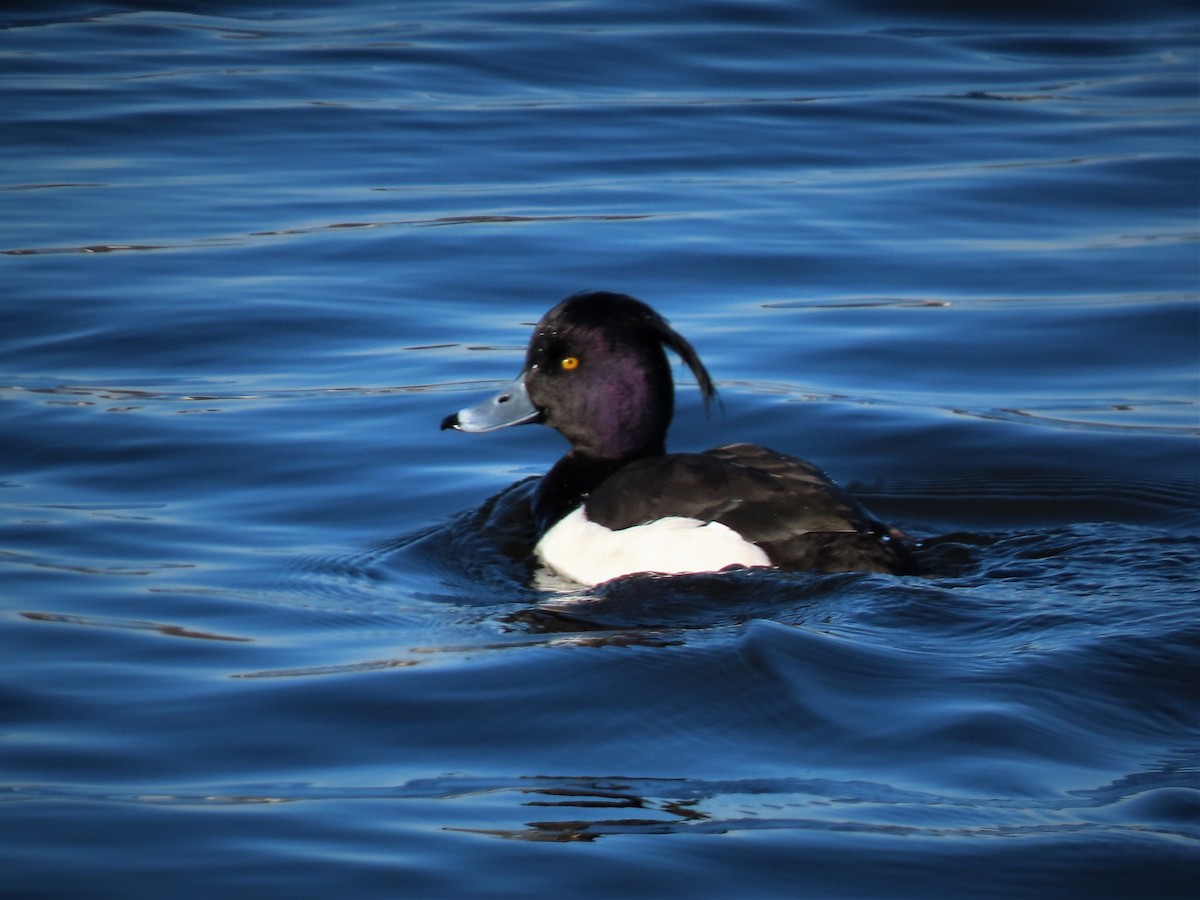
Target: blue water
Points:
(266, 631)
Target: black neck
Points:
(568, 483)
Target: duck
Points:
(617, 503)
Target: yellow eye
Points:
(570, 363)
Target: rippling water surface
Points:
(266, 631)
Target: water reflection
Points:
(134, 625)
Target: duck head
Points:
(596, 372)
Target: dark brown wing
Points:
(787, 506)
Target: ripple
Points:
(229, 241)
(587, 808)
(133, 625)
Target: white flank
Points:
(590, 554)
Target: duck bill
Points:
(511, 406)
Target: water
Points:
(263, 631)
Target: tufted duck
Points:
(618, 503)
